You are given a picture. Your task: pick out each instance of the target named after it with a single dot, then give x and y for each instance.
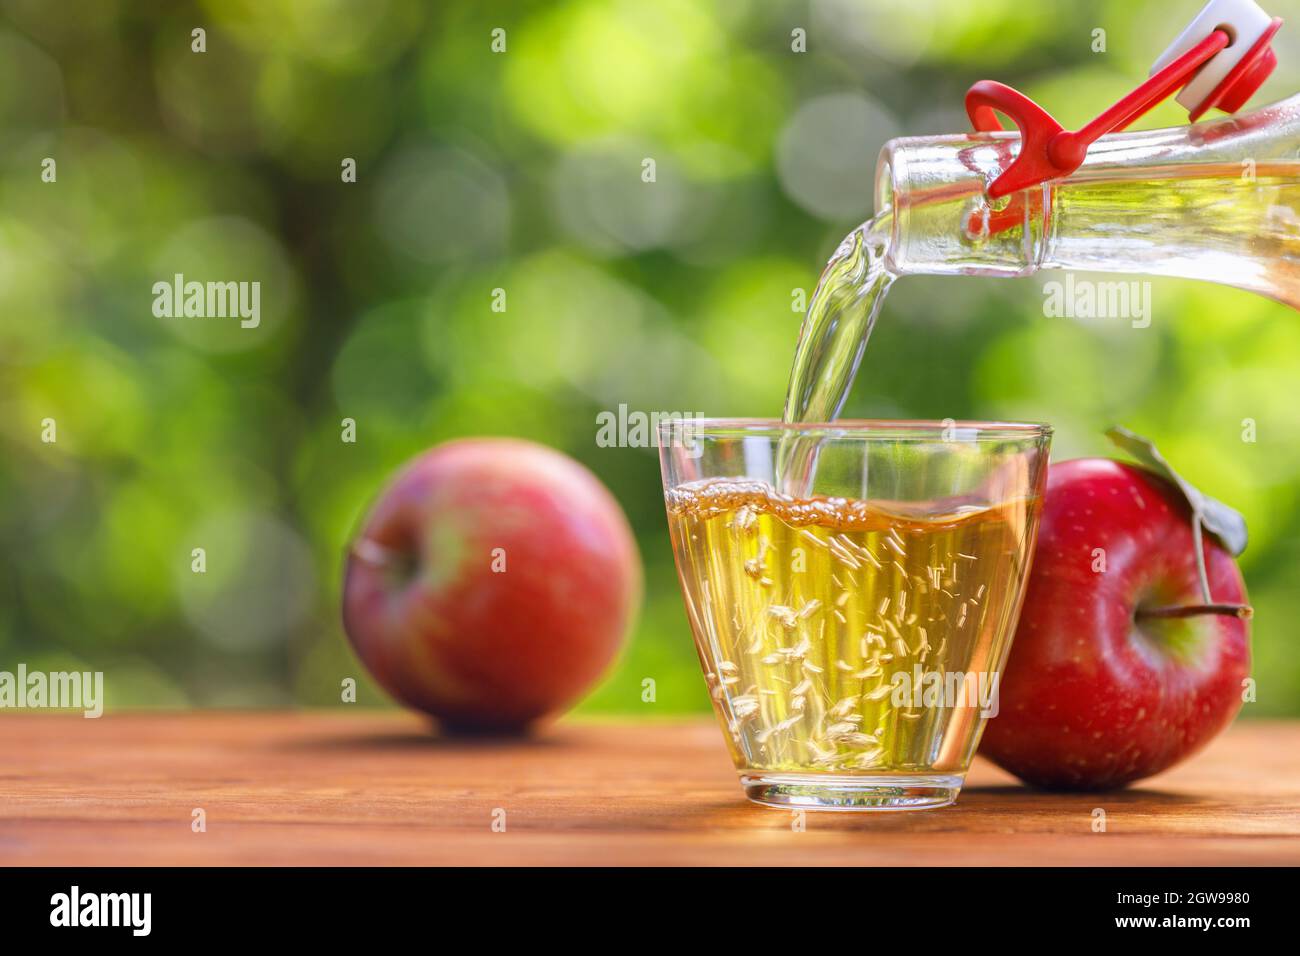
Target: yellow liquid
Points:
(806, 611)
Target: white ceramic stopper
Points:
(1244, 21)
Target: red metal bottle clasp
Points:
(1049, 152)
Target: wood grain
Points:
(319, 788)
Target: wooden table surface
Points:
(323, 788)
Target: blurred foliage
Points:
(518, 170)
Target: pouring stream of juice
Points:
(838, 323)
(832, 340)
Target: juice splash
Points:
(820, 621)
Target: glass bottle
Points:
(1218, 201)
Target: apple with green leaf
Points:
(1133, 647)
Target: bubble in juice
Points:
(844, 636)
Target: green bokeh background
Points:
(518, 170)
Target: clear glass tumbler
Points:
(853, 589)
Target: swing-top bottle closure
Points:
(1219, 61)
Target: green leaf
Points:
(1223, 522)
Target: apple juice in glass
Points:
(852, 630)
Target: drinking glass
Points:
(853, 589)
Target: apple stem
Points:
(1243, 611)
(1198, 543)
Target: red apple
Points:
(491, 584)
(1119, 669)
